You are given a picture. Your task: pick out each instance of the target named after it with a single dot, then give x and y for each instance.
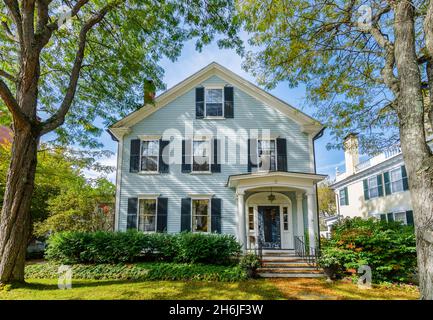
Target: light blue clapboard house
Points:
(215, 153)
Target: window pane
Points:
(400, 216)
(214, 102)
(251, 218)
(147, 215)
(396, 175)
(200, 211)
(372, 182)
(149, 163)
(266, 151)
(214, 95)
(150, 148)
(201, 156)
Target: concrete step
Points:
(289, 270)
(282, 259)
(290, 264)
(291, 275)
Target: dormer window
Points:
(214, 102)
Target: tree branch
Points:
(12, 104)
(16, 14)
(7, 75)
(59, 117)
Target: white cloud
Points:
(106, 161)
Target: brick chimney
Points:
(149, 91)
(351, 152)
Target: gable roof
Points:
(308, 124)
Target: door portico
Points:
(253, 190)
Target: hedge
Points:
(133, 246)
(389, 248)
(141, 271)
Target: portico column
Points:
(241, 219)
(311, 200)
(300, 213)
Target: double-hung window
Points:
(201, 156)
(147, 215)
(266, 152)
(400, 216)
(150, 155)
(200, 215)
(396, 180)
(214, 102)
(373, 188)
(344, 201)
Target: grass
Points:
(273, 289)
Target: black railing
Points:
(307, 253)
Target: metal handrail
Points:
(307, 253)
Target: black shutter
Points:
(409, 218)
(163, 156)
(131, 218)
(252, 154)
(387, 183)
(185, 215)
(383, 217)
(161, 215)
(390, 216)
(380, 185)
(199, 103)
(134, 160)
(216, 215)
(281, 154)
(216, 156)
(186, 156)
(228, 102)
(404, 176)
(346, 195)
(365, 184)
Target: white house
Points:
(377, 187)
(215, 153)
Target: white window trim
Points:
(147, 197)
(276, 154)
(377, 187)
(205, 139)
(209, 216)
(405, 217)
(390, 180)
(146, 138)
(222, 103)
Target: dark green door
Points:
(269, 226)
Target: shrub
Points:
(132, 246)
(387, 247)
(140, 271)
(250, 261)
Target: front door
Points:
(269, 226)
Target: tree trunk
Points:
(417, 155)
(15, 220)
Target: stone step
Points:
(291, 275)
(289, 270)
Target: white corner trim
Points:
(148, 195)
(120, 132)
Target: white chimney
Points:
(351, 152)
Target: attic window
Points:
(214, 102)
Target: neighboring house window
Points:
(201, 156)
(214, 101)
(373, 189)
(147, 215)
(285, 219)
(251, 218)
(344, 197)
(405, 217)
(396, 180)
(149, 155)
(200, 215)
(266, 155)
(400, 216)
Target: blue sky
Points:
(191, 61)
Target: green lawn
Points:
(250, 289)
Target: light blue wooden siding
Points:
(249, 113)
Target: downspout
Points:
(317, 136)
